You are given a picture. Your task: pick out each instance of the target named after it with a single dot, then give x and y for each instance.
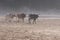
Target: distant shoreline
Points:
(41, 17)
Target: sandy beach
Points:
(48, 28)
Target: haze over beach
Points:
(47, 25)
(42, 7)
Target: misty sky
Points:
(41, 6)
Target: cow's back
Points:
(21, 15)
(33, 16)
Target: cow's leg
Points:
(34, 21)
(6, 19)
(18, 19)
(22, 19)
(10, 20)
(29, 20)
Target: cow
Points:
(17, 15)
(32, 17)
(21, 16)
(9, 17)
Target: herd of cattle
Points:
(22, 16)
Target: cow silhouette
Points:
(33, 17)
(21, 16)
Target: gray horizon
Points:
(42, 7)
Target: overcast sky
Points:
(44, 6)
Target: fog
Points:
(41, 7)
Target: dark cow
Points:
(21, 16)
(33, 17)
